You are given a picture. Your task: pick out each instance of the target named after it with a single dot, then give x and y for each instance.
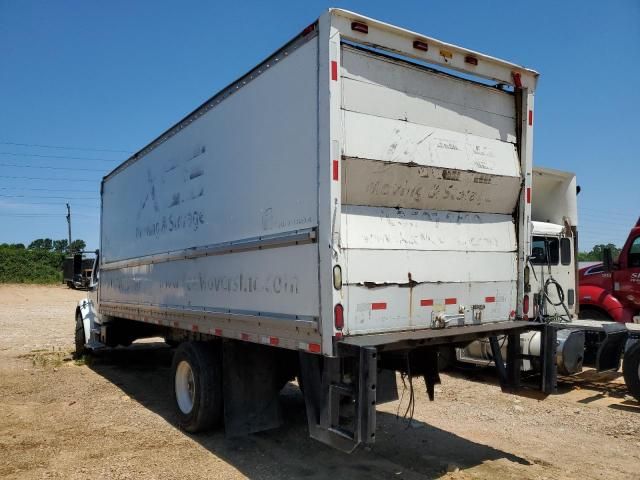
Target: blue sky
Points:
(113, 75)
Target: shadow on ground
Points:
(602, 384)
(142, 372)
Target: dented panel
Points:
(397, 307)
(371, 182)
(406, 266)
(367, 227)
(390, 88)
(378, 138)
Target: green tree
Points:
(595, 255)
(77, 246)
(60, 246)
(41, 244)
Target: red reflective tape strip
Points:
(338, 336)
(314, 348)
(528, 194)
(334, 70)
(379, 306)
(450, 301)
(426, 303)
(218, 332)
(244, 336)
(489, 299)
(336, 170)
(274, 340)
(194, 328)
(530, 117)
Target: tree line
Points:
(39, 262)
(595, 255)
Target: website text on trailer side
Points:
(336, 215)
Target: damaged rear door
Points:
(430, 183)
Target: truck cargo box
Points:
(387, 187)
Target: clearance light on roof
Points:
(446, 53)
(418, 45)
(360, 27)
(471, 60)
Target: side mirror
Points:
(607, 259)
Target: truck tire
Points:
(631, 370)
(197, 386)
(80, 339)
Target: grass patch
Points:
(48, 358)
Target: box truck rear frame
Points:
(232, 362)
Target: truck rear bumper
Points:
(433, 337)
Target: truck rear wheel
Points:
(631, 370)
(197, 380)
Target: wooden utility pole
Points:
(69, 224)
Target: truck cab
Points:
(611, 290)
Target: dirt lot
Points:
(112, 418)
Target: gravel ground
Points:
(111, 417)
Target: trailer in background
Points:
(77, 270)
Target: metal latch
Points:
(440, 320)
(477, 312)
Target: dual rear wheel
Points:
(197, 376)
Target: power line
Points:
(47, 189)
(76, 205)
(59, 156)
(47, 215)
(60, 147)
(53, 168)
(51, 179)
(47, 196)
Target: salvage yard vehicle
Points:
(76, 270)
(551, 283)
(611, 290)
(351, 204)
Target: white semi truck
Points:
(551, 296)
(351, 204)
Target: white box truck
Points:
(352, 203)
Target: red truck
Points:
(611, 290)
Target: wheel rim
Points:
(185, 387)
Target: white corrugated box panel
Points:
(245, 168)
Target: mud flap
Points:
(424, 361)
(250, 388)
(610, 350)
